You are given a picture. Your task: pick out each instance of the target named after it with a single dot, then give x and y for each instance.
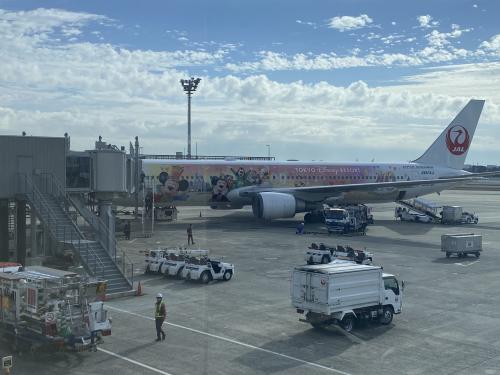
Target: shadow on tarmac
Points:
(312, 345)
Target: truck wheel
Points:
(308, 218)
(325, 259)
(347, 323)
(386, 316)
(478, 254)
(179, 273)
(205, 277)
(448, 254)
(227, 275)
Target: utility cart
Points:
(462, 244)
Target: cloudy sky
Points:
(315, 80)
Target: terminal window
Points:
(78, 172)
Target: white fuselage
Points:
(219, 183)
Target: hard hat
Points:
(159, 295)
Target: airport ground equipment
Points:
(9, 267)
(344, 293)
(205, 269)
(462, 244)
(404, 214)
(165, 213)
(44, 308)
(154, 260)
(347, 219)
(456, 215)
(176, 260)
(322, 254)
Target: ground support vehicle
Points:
(344, 293)
(9, 267)
(316, 254)
(176, 261)
(456, 215)
(347, 219)
(44, 308)
(166, 213)
(462, 244)
(154, 260)
(205, 270)
(407, 215)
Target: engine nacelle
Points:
(269, 205)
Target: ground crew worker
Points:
(190, 234)
(160, 316)
(126, 230)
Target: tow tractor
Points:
(205, 269)
(44, 308)
(176, 260)
(323, 254)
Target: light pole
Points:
(190, 85)
(268, 151)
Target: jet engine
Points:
(269, 205)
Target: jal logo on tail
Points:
(457, 140)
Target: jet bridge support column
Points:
(21, 231)
(108, 218)
(4, 230)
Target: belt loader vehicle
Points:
(205, 270)
(344, 293)
(323, 254)
(44, 308)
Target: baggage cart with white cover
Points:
(323, 254)
(176, 261)
(343, 293)
(462, 244)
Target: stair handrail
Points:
(40, 205)
(102, 230)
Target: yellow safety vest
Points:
(158, 309)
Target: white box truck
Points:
(343, 293)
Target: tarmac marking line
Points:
(232, 341)
(158, 371)
(468, 264)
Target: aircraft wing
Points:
(319, 193)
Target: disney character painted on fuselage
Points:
(219, 189)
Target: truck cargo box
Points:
(330, 288)
(452, 214)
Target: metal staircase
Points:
(78, 230)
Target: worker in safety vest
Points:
(160, 316)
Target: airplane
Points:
(282, 189)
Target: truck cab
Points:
(393, 292)
(346, 219)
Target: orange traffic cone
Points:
(139, 290)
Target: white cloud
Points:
(426, 21)
(492, 45)
(49, 86)
(349, 23)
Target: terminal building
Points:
(45, 196)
